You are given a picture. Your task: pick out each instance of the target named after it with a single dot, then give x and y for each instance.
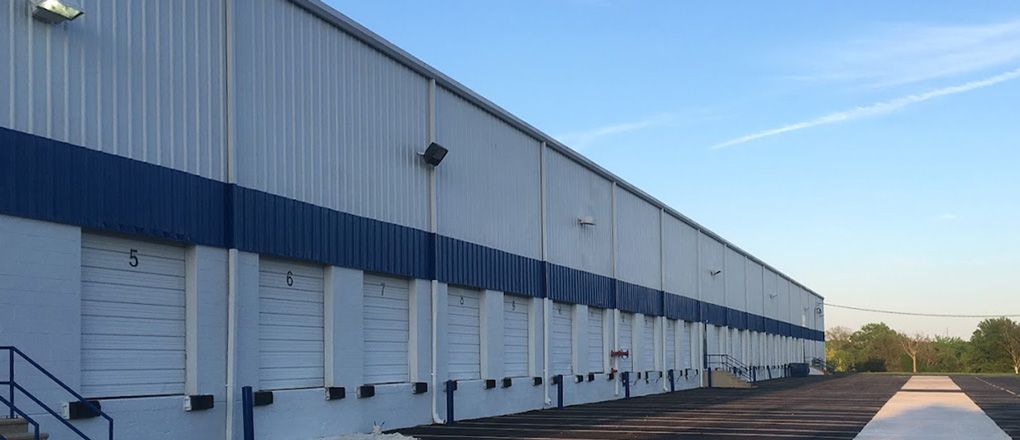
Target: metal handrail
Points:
(14, 385)
(734, 365)
(31, 421)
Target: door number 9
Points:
(133, 258)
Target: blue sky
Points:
(869, 149)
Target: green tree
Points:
(947, 354)
(988, 351)
(876, 347)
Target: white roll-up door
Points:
(647, 340)
(464, 327)
(385, 324)
(133, 312)
(596, 340)
(625, 341)
(290, 325)
(685, 345)
(515, 335)
(712, 337)
(561, 338)
(670, 345)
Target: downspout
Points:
(231, 171)
(664, 320)
(616, 309)
(546, 302)
(434, 284)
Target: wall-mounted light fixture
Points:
(55, 11)
(434, 154)
(586, 221)
(819, 310)
(715, 272)
(773, 295)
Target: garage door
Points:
(560, 335)
(132, 323)
(385, 323)
(647, 352)
(464, 327)
(712, 337)
(290, 325)
(686, 353)
(596, 340)
(625, 340)
(515, 335)
(669, 358)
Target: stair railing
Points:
(14, 410)
(13, 385)
(731, 364)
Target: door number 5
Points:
(133, 258)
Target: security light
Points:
(434, 154)
(55, 11)
(586, 221)
(715, 272)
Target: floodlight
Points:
(434, 154)
(55, 11)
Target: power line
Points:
(931, 315)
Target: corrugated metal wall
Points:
(755, 288)
(637, 240)
(323, 118)
(490, 184)
(785, 303)
(573, 192)
(138, 79)
(711, 260)
(771, 295)
(680, 254)
(736, 280)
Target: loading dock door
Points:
(561, 338)
(290, 325)
(515, 335)
(385, 324)
(465, 348)
(647, 352)
(133, 312)
(596, 341)
(625, 341)
(669, 358)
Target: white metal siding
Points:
(385, 323)
(647, 341)
(736, 280)
(133, 317)
(670, 345)
(626, 341)
(464, 324)
(325, 119)
(573, 192)
(493, 174)
(712, 260)
(290, 325)
(515, 335)
(686, 350)
(637, 242)
(561, 339)
(680, 257)
(596, 340)
(137, 79)
(755, 288)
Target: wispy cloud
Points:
(583, 139)
(904, 54)
(947, 216)
(876, 109)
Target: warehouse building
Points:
(199, 196)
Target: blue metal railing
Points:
(30, 420)
(13, 385)
(731, 364)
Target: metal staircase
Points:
(729, 363)
(19, 425)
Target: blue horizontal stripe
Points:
(54, 181)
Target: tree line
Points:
(994, 347)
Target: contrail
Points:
(879, 108)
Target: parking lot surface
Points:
(998, 396)
(817, 407)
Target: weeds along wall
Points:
(200, 196)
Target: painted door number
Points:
(290, 278)
(133, 258)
